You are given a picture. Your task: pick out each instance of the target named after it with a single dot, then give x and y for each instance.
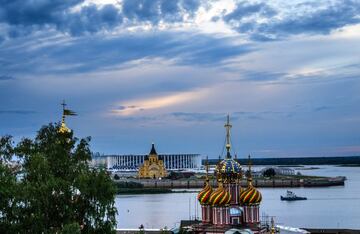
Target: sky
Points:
(169, 71)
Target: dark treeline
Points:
(298, 161)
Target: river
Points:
(326, 207)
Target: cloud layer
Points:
(138, 71)
(76, 18)
(261, 21)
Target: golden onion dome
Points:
(250, 196)
(204, 194)
(63, 128)
(220, 196)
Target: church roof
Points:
(153, 151)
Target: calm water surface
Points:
(329, 207)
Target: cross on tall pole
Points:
(63, 114)
(63, 104)
(228, 127)
(250, 175)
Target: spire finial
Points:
(249, 175)
(63, 104)
(153, 150)
(63, 113)
(273, 231)
(207, 168)
(228, 127)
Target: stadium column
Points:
(177, 161)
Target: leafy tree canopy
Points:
(270, 172)
(54, 190)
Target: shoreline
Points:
(152, 186)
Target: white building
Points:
(171, 161)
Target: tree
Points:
(270, 172)
(8, 187)
(58, 189)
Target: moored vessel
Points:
(291, 196)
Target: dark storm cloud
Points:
(92, 19)
(244, 9)
(26, 16)
(34, 12)
(319, 20)
(155, 11)
(86, 54)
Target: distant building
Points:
(132, 162)
(153, 167)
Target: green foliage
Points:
(58, 192)
(73, 228)
(270, 172)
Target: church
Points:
(230, 207)
(153, 167)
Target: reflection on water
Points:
(329, 207)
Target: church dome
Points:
(204, 194)
(250, 196)
(220, 196)
(229, 166)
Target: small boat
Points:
(290, 196)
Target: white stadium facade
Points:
(133, 162)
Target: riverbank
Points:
(153, 186)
